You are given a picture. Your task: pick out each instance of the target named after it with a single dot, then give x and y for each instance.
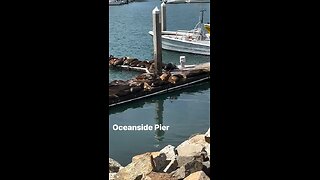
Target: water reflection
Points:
(178, 109)
(171, 96)
(157, 106)
(159, 133)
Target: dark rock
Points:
(172, 166)
(160, 162)
(206, 167)
(114, 166)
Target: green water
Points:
(185, 112)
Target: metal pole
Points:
(157, 49)
(163, 17)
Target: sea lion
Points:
(111, 61)
(135, 89)
(165, 76)
(140, 64)
(135, 63)
(127, 61)
(152, 68)
(157, 83)
(123, 92)
(146, 87)
(141, 77)
(169, 67)
(117, 82)
(174, 79)
(112, 97)
(136, 84)
(118, 62)
(143, 64)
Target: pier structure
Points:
(157, 44)
(163, 12)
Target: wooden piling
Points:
(157, 44)
(163, 12)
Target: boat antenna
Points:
(201, 17)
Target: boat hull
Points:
(173, 44)
(183, 46)
(186, 1)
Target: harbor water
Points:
(186, 112)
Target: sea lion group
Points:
(134, 62)
(146, 82)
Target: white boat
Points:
(116, 2)
(195, 41)
(185, 1)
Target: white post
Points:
(163, 17)
(182, 61)
(157, 48)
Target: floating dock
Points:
(148, 84)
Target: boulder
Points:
(182, 160)
(206, 167)
(111, 176)
(173, 165)
(160, 162)
(192, 146)
(207, 149)
(187, 169)
(199, 175)
(207, 136)
(114, 166)
(169, 152)
(158, 176)
(140, 166)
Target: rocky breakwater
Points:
(188, 161)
